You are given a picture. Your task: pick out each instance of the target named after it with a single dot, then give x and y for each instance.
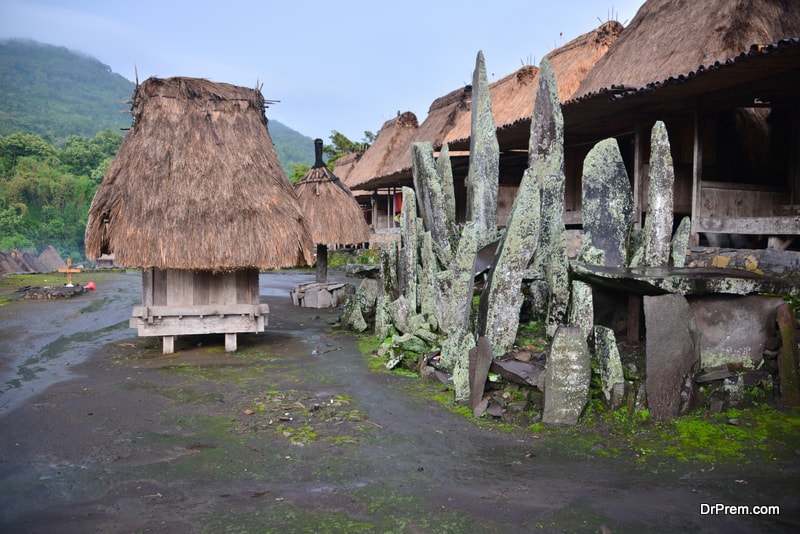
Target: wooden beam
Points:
(751, 225)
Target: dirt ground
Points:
(296, 432)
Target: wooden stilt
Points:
(168, 345)
(230, 342)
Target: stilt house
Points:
(197, 199)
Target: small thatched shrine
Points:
(197, 199)
(334, 217)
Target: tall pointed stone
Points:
(484, 159)
(432, 202)
(607, 206)
(410, 246)
(445, 171)
(498, 315)
(546, 158)
(460, 286)
(660, 197)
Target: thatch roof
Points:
(197, 185)
(668, 38)
(449, 117)
(513, 96)
(385, 157)
(344, 165)
(332, 213)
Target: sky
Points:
(343, 65)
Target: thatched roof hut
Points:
(448, 119)
(331, 212)
(197, 185)
(344, 165)
(513, 95)
(669, 38)
(385, 158)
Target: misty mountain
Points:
(55, 92)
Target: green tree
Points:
(341, 146)
(298, 171)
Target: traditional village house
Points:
(332, 213)
(723, 76)
(197, 199)
(377, 166)
(512, 98)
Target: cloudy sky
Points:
(346, 65)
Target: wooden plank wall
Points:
(175, 287)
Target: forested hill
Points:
(56, 93)
(61, 124)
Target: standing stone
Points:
(568, 374)
(430, 299)
(788, 357)
(581, 307)
(455, 349)
(445, 171)
(484, 159)
(658, 224)
(501, 300)
(460, 285)
(383, 319)
(546, 158)
(433, 205)
(672, 355)
(391, 283)
(680, 242)
(607, 207)
(408, 233)
(612, 378)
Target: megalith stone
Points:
(433, 205)
(612, 378)
(680, 242)
(607, 208)
(460, 339)
(431, 300)
(484, 159)
(658, 224)
(581, 307)
(546, 159)
(501, 300)
(672, 357)
(567, 378)
(410, 247)
(445, 170)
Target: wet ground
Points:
(296, 432)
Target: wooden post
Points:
(168, 346)
(637, 174)
(322, 263)
(69, 270)
(230, 342)
(697, 177)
